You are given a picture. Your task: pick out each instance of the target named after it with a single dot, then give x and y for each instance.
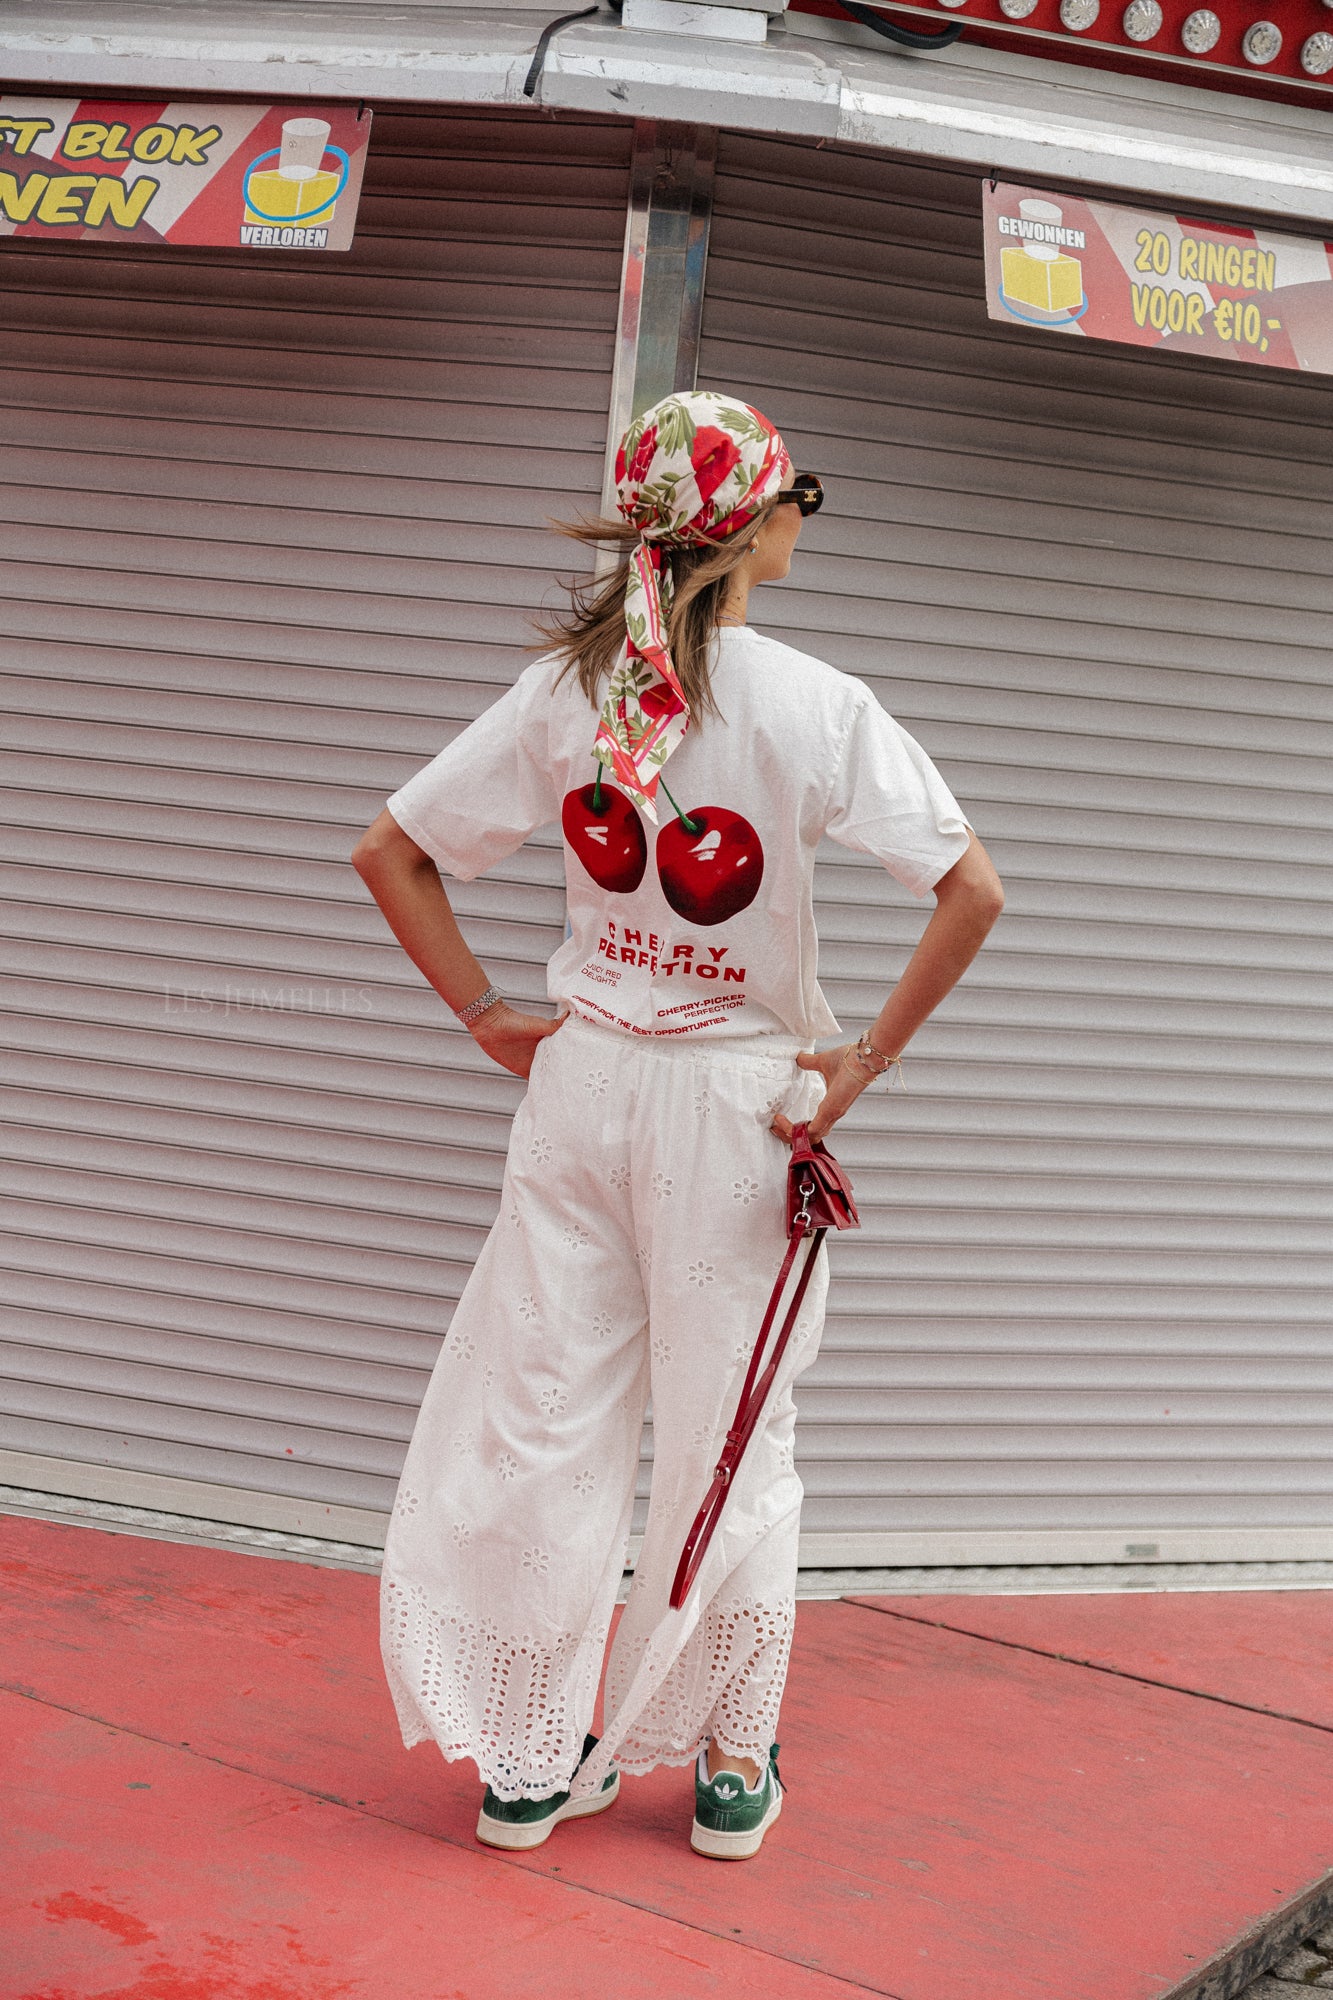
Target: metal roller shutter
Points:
(1089, 1311)
(273, 531)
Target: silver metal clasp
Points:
(805, 1189)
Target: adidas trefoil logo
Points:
(727, 1791)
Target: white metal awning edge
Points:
(978, 107)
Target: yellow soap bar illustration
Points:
(274, 197)
(1038, 276)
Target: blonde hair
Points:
(588, 637)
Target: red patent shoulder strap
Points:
(753, 1396)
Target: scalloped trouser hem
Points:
(641, 1225)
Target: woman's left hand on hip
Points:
(841, 1090)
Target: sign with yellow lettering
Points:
(251, 176)
(1102, 272)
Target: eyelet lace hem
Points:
(727, 1681)
(519, 1704)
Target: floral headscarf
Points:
(693, 469)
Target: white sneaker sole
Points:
(734, 1846)
(531, 1833)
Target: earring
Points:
(753, 546)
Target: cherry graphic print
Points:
(607, 835)
(660, 700)
(712, 868)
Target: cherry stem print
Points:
(690, 825)
(597, 805)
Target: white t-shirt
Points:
(710, 931)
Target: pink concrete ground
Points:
(1050, 1798)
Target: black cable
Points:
(539, 53)
(907, 38)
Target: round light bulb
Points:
(1076, 15)
(1261, 42)
(1317, 54)
(1141, 20)
(1018, 10)
(1200, 31)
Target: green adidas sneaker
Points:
(518, 1823)
(730, 1820)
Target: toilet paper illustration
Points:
(1040, 281)
(301, 189)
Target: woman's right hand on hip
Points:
(512, 1039)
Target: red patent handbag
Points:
(819, 1198)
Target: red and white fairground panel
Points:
(1259, 48)
(247, 176)
(1101, 271)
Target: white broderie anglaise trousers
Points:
(641, 1226)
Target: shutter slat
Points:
(1091, 1290)
(280, 528)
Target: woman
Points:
(642, 1215)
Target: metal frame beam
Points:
(662, 276)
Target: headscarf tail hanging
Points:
(692, 471)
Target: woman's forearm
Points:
(967, 901)
(406, 884)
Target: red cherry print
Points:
(660, 699)
(714, 872)
(642, 460)
(609, 840)
(712, 456)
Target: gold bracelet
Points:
(875, 1062)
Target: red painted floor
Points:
(1267, 1649)
(206, 1799)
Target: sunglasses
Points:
(806, 492)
